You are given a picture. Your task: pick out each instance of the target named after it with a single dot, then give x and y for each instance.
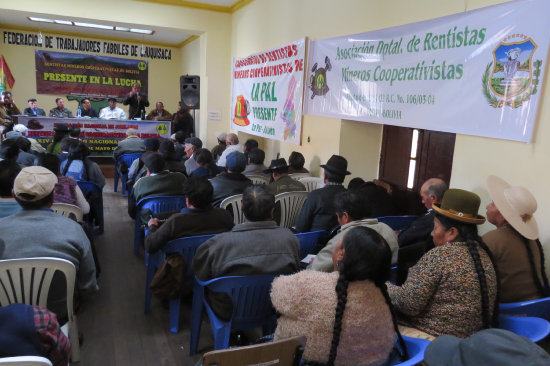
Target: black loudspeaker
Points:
(190, 90)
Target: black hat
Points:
(276, 164)
(31, 100)
(61, 127)
(112, 98)
(337, 165)
(195, 141)
(153, 161)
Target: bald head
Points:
(231, 139)
(432, 191)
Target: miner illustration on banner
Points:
(242, 110)
(318, 79)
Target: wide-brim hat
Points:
(337, 165)
(460, 205)
(33, 124)
(516, 204)
(276, 164)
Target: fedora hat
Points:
(460, 205)
(337, 165)
(276, 164)
(516, 204)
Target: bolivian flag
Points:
(6, 78)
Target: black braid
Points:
(496, 309)
(472, 248)
(384, 289)
(66, 168)
(546, 291)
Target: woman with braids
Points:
(61, 131)
(80, 167)
(515, 244)
(346, 315)
(453, 288)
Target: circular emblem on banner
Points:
(162, 129)
(142, 65)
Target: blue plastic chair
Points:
(530, 327)
(416, 348)
(186, 247)
(397, 222)
(128, 159)
(539, 308)
(88, 188)
(156, 204)
(9, 208)
(251, 307)
(308, 241)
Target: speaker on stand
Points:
(190, 92)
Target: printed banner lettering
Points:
(267, 93)
(476, 73)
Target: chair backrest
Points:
(158, 204)
(25, 361)
(66, 210)
(186, 247)
(250, 297)
(286, 352)
(539, 308)
(312, 183)
(128, 158)
(291, 204)
(416, 348)
(258, 179)
(9, 208)
(308, 241)
(87, 187)
(397, 222)
(527, 326)
(298, 176)
(236, 206)
(75, 171)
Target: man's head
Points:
(258, 203)
(231, 139)
(32, 103)
(33, 187)
(432, 191)
(60, 103)
(136, 87)
(23, 143)
(112, 103)
(235, 162)
(154, 162)
(180, 136)
(256, 156)
(50, 162)
(351, 206)
(221, 137)
(152, 144)
(74, 132)
(8, 97)
(8, 171)
(86, 105)
(131, 132)
(278, 168)
(191, 145)
(249, 145)
(336, 169)
(198, 191)
(296, 160)
(167, 149)
(159, 106)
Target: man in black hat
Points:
(282, 182)
(33, 109)
(192, 144)
(318, 212)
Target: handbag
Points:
(168, 280)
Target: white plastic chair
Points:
(236, 205)
(298, 176)
(25, 361)
(312, 183)
(28, 281)
(66, 210)
(258, 179)
(291, 204)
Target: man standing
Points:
(131, 144)
(87, 110)
(318, 212)
(33, 109)
(45, 233)
(431, 192)
(9, 104)
(112, 111)
(281, 180)
(192, 144)
(232, 182)
(137, 101)
(60, 111)
(159, 113)
(232, 144)
(258, 246)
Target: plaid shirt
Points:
(56, 345)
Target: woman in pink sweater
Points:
(346, 315)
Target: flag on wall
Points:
(6, 78)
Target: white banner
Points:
(267, 93)
(476, 73)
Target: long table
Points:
(100, 135)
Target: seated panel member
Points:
(87, 110)
(159, 113)
(9, 104)
(60, 111)
(112, 111)
(33, 109)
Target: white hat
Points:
(34, 183)
(516, 204)
(20, 128)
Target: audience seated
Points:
(131, 144)
(379, 198)
(231, 182)
(9, 150)
(157, 182)
(232, 144)
(220, 147)
(255, 163)
(197, 218)
(66, 190)
(346, 315)
(36, 148)
(353, 210)
(47, 234)
(249, 145)
(179, 145)
(74, 133)
(80, 167)
(453, 288)
(296, 163)
(183, 121)
(138, 169)
(514, 243)
(432, 191)
(258, 246)
(355, 183)
(8, 171)
(32, 331)
(318, 210)
(191, 146)
(172, 164)
(281, 181)
(205, 164)
(61, 130)
(25, 157)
